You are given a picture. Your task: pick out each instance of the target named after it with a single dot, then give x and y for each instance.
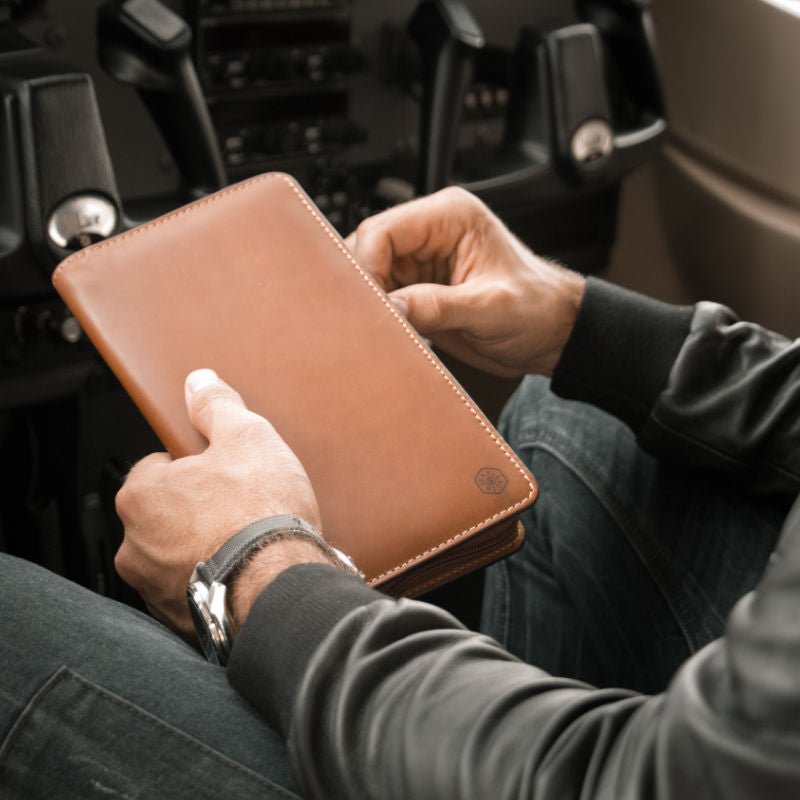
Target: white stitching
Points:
(425, 352)
(460, 569)
(384, 300)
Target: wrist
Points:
(263, 567)
(569, 294)
(214, 580)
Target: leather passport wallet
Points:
(413, 482)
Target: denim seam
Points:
(588, 476)
(26, 712)
(64, 673)
(506, 599)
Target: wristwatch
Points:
(207, 590)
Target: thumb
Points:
(212, 405)
(432, 307)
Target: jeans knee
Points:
(531, 395)
(16, 574)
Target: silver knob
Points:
(81, 220)
(70, 330)
(593, 141)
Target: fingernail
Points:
(401, 304)
(200, 379)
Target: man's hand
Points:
(469, 285)
(177, 513)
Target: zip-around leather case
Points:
(413, 482)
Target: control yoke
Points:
(562, 129)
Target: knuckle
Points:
(455, 193)
(437, 311)
(365, 228)
(503, 295)
(121, 502)
(209, 397)
(138, 482)
(459, 197)
(372, 237)
(124, 499)
(248, 424)
(121, 563)
(248, 434)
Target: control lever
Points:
(59, 190)
(144, 44)
(448, 37)
(561, 130)
(625, 27)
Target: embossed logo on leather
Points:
(491, 480)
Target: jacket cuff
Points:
(285, 625)
(621, 351)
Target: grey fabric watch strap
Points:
(207, 590)
(236, 550)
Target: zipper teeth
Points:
(454, 556)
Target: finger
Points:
(400, 303)
(213, 406)
(383, 281)
(427, 229)
(432, 308)
(454, 343)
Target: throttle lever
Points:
(582, 132)
(561, 119)
(625, 27)
(144, 44)
(448, 37)
(562, 132)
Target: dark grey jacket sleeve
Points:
(387, 699)
(698, 386)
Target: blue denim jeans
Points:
(630, 564)
(100, 701)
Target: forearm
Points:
(401, 702)
(698, 386)
(263, 568)
(621, 351)
(381, 698)
(389, 699)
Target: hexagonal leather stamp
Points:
(490, 480)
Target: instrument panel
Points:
(117, 111)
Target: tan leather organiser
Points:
(413, 482)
